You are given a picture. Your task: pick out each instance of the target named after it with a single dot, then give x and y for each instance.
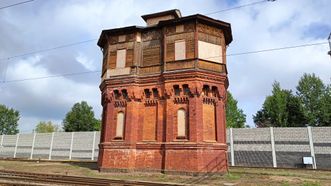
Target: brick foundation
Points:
(167, 158)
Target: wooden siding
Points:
(212, 66)
(129, 58)
(177, 65)
(151, 52)
(150, 69)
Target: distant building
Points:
(163, 95)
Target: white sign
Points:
(308, 160)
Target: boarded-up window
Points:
(209, 125)
(210, 52)
(149, 127)
(180, 50)
(181, 123)
(120, 58)
(120, 125)
(138, 38)
(121, 38)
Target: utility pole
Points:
(329, 39)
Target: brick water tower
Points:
(163, 95)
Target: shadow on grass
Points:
(89, 165)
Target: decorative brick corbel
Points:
(107, 97)
(168, 92)
(222, 94)
(197, 89)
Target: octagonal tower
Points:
(163, 95)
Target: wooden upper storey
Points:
(169, 42)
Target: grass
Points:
(232, 176)
(236, 175)
(306, 183)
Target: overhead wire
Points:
(91, 40)
(47, 49)
(52, 76)
(15, 4)
(233, 54)
(237, 7)
(275, 49)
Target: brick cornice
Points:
(202, 75)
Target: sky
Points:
(45, 24)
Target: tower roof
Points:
(170, 17)
(174, 12)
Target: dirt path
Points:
(237, 176)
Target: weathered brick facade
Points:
(171, 98)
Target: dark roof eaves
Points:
(224, 25)
(118, 30)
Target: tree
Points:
(97, 125)
(281, 109)
(235, 117)
(296, 117)
(46, 127)
(80, 118)
(8, 120)
(312, 94)
(326, 107)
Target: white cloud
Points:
(44, 99)
(87, 63)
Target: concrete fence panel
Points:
(256, 147)
(252, 147)
(8, 146)
(42, 146)
(24, 145)
(61, 145)
(292, 144)
(322, 146)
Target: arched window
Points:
(177, 90)
(181, 123)
(120, 125)
(205, 90)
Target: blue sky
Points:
(48, 23)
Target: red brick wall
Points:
(150, 138)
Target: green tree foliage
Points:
(326, 107)
(46, 127)
(97, 125)
(8, 120)
(235, 117)
(281, 109)
(314, 97)
(80, 118)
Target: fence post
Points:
(51, 147)
(272, 138)
(93, 145)
(71, 144)
(232, 147)
(15, 151)
(32, 146)
(311, 145)
(2, 136)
